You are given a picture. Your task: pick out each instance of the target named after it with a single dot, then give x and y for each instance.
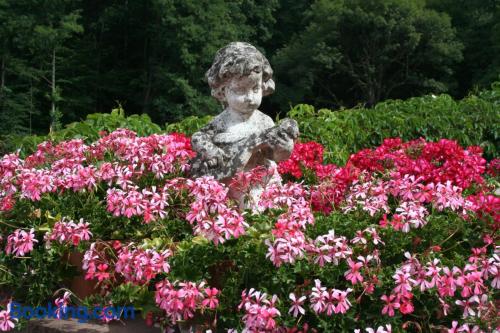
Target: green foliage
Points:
(35, 45)
(471, 121)
(88, 130)
(188, 125)
(241, 263)
(154, 53)
(37, 277)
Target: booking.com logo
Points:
(82, 313)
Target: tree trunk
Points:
(371, 96)
(31, 104)
(2, 82)
(53, 116)
(147, 88)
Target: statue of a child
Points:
(241, 137)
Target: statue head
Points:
(240, 75)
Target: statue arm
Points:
(208, 151)
(281, 139)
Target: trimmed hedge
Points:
(471, 121)
(88, 130)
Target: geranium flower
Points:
(211, 298)
(468, 305)
(343, 303)
(296, 307)
(6, 320)
(21, 242)
(62, 305)
(101, 273)
(390, 304)
(353, 275)
(454, 327)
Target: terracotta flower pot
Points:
(219, 271)
(79, 285)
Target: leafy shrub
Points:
(88, 130)
(188, 125)
(471, 121)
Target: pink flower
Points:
(374, 235)
(454, 327)
(343, 303)
(211, 301)
(296, 307)
(468, 329)
(359, 238)
(467, 305)
(20, 242)
(62, 305)
(260, 312)
(432, 271)
(353, 275)
(447, 284)
(141, 266)
(6, 321)
(495, 271)
(403, 282)
(180, 300)
(413, 214)
(390, 304)
(318, 297)
(380, 329)
(444, 306)
(101, 273)
(406, 306)
(331, 301)
(68, 232)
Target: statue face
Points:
(244, 94)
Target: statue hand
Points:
(216, 159)
(283, 140)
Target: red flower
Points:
(102, 274)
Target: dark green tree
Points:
(151, 55)
(181, 44)
(61, 60)
(366, 51)
(478, 27)
(56, 22)
(17, 78)
(35, 37)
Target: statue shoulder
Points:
(264, 119)
(217, 125)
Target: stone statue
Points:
(241, 137)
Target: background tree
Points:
(151, 55)
(55, 22)
(366, 51)
(17, 77)
(477, 23)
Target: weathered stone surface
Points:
(265, 144)
(73, 326)
(241, 137)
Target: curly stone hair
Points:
(235, 60)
